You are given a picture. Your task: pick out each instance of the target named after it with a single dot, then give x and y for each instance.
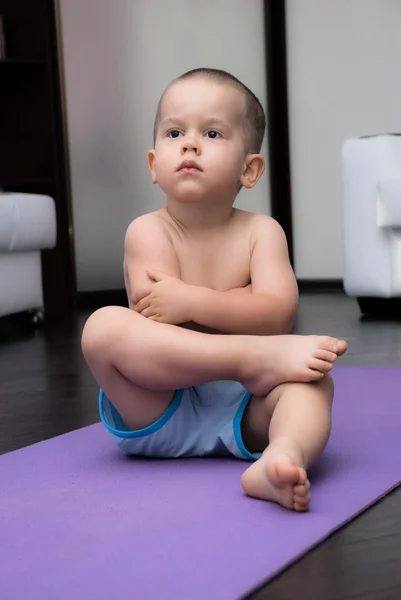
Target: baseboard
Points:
(321, 286)
(98, 299)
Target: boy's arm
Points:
(146, 243)
(270, 307)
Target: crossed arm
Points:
(265, 307)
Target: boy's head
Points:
(209, 117)
(254, 115)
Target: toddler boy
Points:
(202, 363)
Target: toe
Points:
(320, 365)
(289, 474)
(302, 502)
(301, 506)
(325, 342)
(334, 345)
(341, 347)
(300, 491)
(337, 346)
(325, 355)
(313, 375)
(302, 477)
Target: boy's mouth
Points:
(189, 166)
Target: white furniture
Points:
(27, 225)
(371, 171)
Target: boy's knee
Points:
(100, 329)
(325, 385)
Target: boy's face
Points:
(202, 122)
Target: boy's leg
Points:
(298, 431)
(139, 362)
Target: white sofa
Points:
(27, 225)
(371, 172)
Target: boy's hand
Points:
(169, 299)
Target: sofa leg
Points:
(36, 316)
(383, 308)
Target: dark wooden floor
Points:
(46, 390)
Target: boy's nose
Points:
(189, 145)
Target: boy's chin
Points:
(192, 191)
(188, 193)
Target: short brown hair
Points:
(255, 115)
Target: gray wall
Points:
(118, 57)
(344, 79)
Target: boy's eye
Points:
(173, 133)
(213, 134)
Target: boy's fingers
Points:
(156, 275)
(158, 318)
(142, 304)
(140, 294)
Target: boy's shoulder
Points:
(148, 223)
(258, 222)
(146, 231)
(262, 230)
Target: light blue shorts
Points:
(204, 420)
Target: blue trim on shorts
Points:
(124, 432)
(237, 428)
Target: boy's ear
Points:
(254, 168)
(151, 165)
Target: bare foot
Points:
(272, 360)
(276, 477)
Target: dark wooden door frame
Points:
(33, 149)
(61, 298)
(277, 117)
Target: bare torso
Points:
(218, 258)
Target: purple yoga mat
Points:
(80, 521)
